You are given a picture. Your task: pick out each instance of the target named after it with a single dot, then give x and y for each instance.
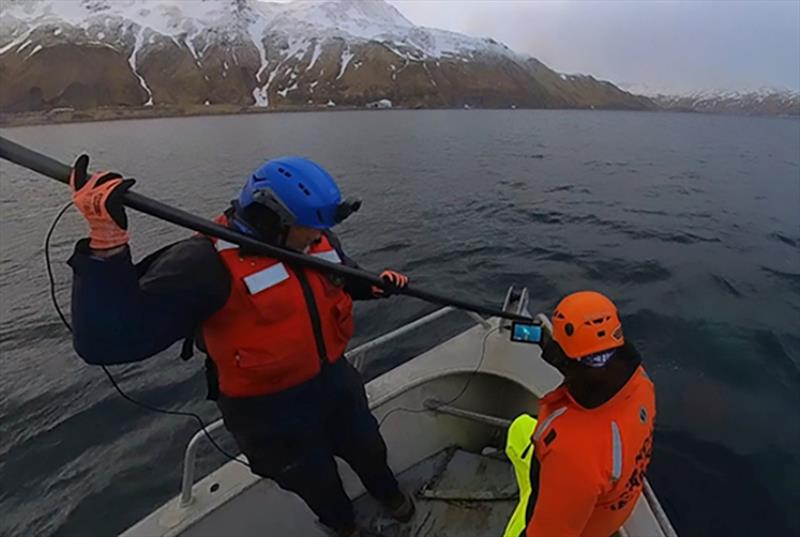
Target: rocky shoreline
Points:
(69, 115)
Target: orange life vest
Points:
(590, 463)
(264, 339)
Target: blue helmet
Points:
(298, 191)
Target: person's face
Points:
(300, 237)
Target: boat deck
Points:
(457, 493)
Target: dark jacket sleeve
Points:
(358, 289)
(123, 312)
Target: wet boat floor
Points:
(457, 493)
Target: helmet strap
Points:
(282, 236)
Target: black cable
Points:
(454, 399)
(50, 267)
(200, 422)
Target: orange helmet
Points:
(585, 323)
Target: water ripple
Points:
(726, 286)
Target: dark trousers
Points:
(292, 437)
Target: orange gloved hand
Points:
(396, 279)
(99, 199)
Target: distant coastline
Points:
(69, 115)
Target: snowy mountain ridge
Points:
(189, 20)
(258, 53)
(764, 100)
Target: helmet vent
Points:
(598, 321)
(283, 171)
(319, 215)
(302, 187)
(601, 333)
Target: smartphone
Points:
(526, 331)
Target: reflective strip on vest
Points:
(330, 255)
(546, 423)
(222, 245)
(616, 452)
(264, 279)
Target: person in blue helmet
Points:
(274, 334)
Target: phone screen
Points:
(526, 332)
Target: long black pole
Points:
(59, 171)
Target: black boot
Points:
(400, 508)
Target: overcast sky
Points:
(671, 45)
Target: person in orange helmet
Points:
(594, 437)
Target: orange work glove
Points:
(397, 280)
(99, 199)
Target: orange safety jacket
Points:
(588, 464)
(280, 323)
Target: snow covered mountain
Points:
(91, 53)
(763, 101)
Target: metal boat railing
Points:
(355, 356)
